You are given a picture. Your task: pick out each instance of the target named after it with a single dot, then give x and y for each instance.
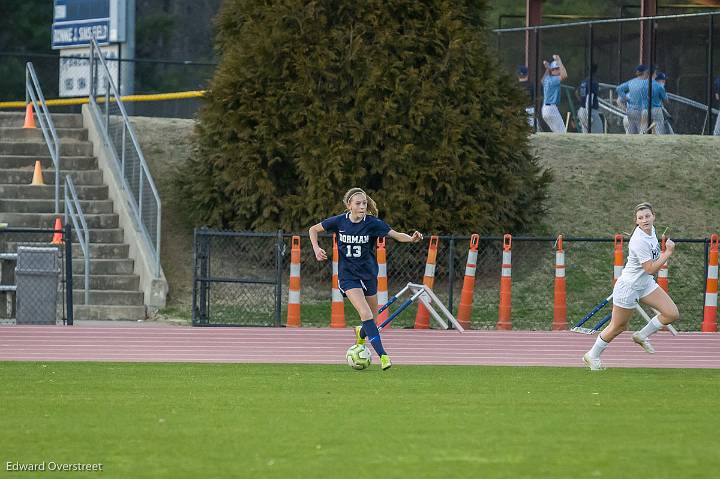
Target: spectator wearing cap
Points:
(660, 115)
(588, 95)
(554, 74)
(633, 95)
(527, 86)
(716, 85)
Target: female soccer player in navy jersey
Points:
(357, 230)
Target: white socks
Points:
(598, 347)
(651, 328)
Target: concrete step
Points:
(24, 177)
(75, 148)
(103, 250)
(104, 266)
(60, 120)
(36, 134)
(85, 192)
(48, 206)
(97, 250)
(108, 235)
(102, 312)
(109, 297)
(66, 162)
(47, 220)
(124, 282)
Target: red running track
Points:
(327, 346)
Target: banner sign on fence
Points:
(75, 68)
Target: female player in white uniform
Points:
(638, 284)
(357, 231)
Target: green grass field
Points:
(255, 421)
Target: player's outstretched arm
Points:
(563, 71)
(405, 238)
(320, 253)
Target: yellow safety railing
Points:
(179, 95)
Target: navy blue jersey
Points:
(593, 93)
(356, 244)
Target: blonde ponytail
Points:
(371, 205)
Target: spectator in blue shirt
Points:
(633, 95)
(588, 96)
(554, 74)
(660, 116)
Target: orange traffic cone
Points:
(422, 317)
(466, 295)
(382, 288)
(337, 308)
(618, 261)
(560, 308)
(293, 314)
(29, 116)
(662, 277)
(709, 324)
(57, 236)
(505, 310)
(37, 175)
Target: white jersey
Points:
(642, 248)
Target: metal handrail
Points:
(34, 93)
(600, 22)
(97, 61)
(74, 212)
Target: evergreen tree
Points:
(399, 97)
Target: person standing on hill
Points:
(660, 115)
(555, 73)
(527, 86)
(587, 93)
(633, 96)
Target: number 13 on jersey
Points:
(353, 251)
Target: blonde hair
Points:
(640, 207)
(371, 205)
(644, 206)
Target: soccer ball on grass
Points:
(358, 356)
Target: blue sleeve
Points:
(622, 89)
(663, 93)
(331, 224)
(380, 228)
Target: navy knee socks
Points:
(370, 330)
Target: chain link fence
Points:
(243, 279)
(684, 47)
(35, 276)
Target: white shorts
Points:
(627, 295)
(552, 117)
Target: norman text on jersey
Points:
(354, 239)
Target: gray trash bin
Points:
(37, 275)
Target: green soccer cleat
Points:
(358, 339)
(385, 362)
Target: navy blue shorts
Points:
(369, 286)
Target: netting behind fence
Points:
(257, 274)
